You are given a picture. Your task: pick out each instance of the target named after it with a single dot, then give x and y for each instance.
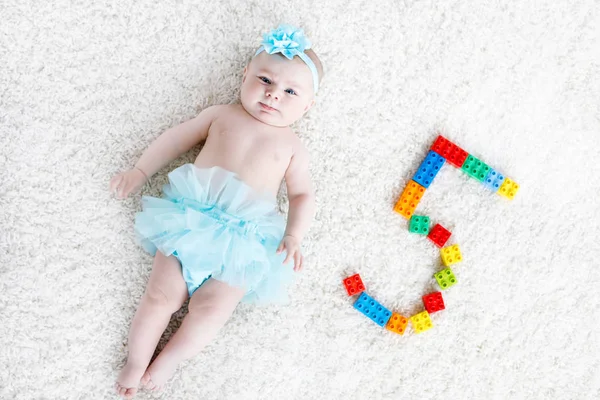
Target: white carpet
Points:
(85, 86)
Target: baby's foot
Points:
(128, 381)
(157, 375)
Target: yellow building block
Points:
(397, 324)
(410, 197)
(508, 189)
(421, 322)
(451, 255)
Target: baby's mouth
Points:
(266, 107)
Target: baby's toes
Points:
(129, 393)
(146, 381)
(124, 392)
(120, 390)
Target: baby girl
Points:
(216, 234)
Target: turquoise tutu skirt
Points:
(218, 227)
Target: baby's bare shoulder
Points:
(223, 114)
(223, 109)
(296, 142)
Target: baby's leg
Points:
(165, 293)
(209, 308)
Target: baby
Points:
(216, 234)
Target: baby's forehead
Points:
(283, 68)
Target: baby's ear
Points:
(244, 75)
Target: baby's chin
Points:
(266, 118)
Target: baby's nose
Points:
(273, 94)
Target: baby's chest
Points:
(244, 142)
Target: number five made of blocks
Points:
(441, 151)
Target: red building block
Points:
(451, 152)
(439, 235)
(354, 285)
(433, 302)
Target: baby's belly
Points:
(258, 174)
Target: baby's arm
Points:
(302, 207)
(167, 147)
(300, 194)
(176, 141)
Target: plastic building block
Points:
(409, 199)
(493, 180)
(421, 322)
(445, 278)
(397, 324)
(433, 302)
(451, 152)
(419, 224)
(451, 255)
(354, 285)
(508, 189)
(372, 309)
(429, 169)
(439, 235)
(476, 168)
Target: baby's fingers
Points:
(114, 182)
(123, 192)
(297, 261)
(281, 247)
(124, 188)
(127, 188)
(288, 257)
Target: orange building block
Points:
(397, 324)
(409, 199)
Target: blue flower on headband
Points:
(287, 40)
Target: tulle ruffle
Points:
(218, 227)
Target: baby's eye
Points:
(265, 80)
(290, 91)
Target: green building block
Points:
(445, 278)
(476, 168)
(419, 224)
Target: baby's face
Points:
(275, 90)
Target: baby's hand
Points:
(127, 182)
(292, 246)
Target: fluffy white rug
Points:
(85, 87)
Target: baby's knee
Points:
(159, 298)
(210, 308)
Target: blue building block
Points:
(493, 180)
(372, 309)
(429, 169)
